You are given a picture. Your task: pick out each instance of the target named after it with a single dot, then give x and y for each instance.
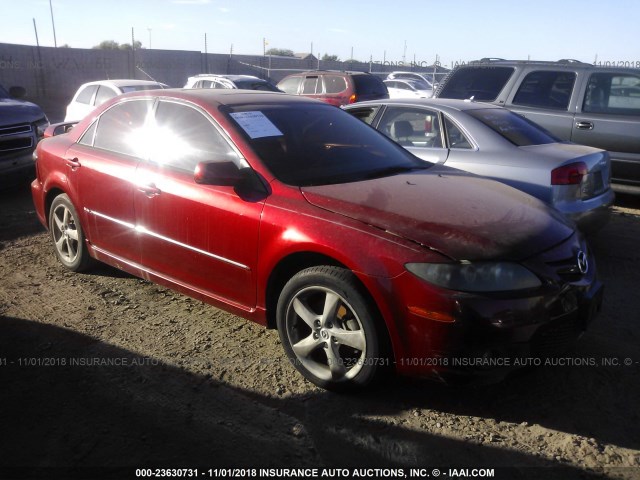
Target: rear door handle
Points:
(150, 190)
(73, 163)
(584, 125)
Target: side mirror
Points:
(245, 181)
(218, 173)
(59, 129)
(17, 92)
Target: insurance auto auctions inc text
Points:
(374, 473)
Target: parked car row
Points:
(300, 216)
(575, 101)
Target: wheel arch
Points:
(288, 266)
(48, 200)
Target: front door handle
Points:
(150, 190)
(584, 125)
(74, 163)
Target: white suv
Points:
(93, 94)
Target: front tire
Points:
(67, 235)
(329, 329)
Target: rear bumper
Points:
(38, 195)
(592, 214)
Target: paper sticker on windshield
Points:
(256, 124)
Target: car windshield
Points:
(315, 144)
(255, 85)
(3, 93)
(515, 128)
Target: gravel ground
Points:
(104, 370)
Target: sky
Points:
(454, 31)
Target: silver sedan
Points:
(494, 142)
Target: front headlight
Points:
(476, 277)
(41, 125)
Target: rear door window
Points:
(312, 85)
(290, 85)
(369, 85)
(412, 127)
(513, 127)
(484, 84)
(104, 94)
(455, 137)
(86, 94)
(613, 93)
(334, 83)
(366, 114)
(546, 89)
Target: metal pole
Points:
(55, 42)
(36, 30)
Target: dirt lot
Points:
(105, 370)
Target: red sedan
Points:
(296, 215)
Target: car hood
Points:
(14, 111)
(463, 216)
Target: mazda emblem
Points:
(583, 262)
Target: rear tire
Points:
(329, 329)
(67, 235)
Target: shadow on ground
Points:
(108, 408)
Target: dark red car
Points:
(296, 215)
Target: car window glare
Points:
(119, 127)
(182, 137)
(513, 127)
(323, 145)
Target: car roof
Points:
(442, 103)
(335, 72)
(229, 97)
(228, 77)
(123, 82)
